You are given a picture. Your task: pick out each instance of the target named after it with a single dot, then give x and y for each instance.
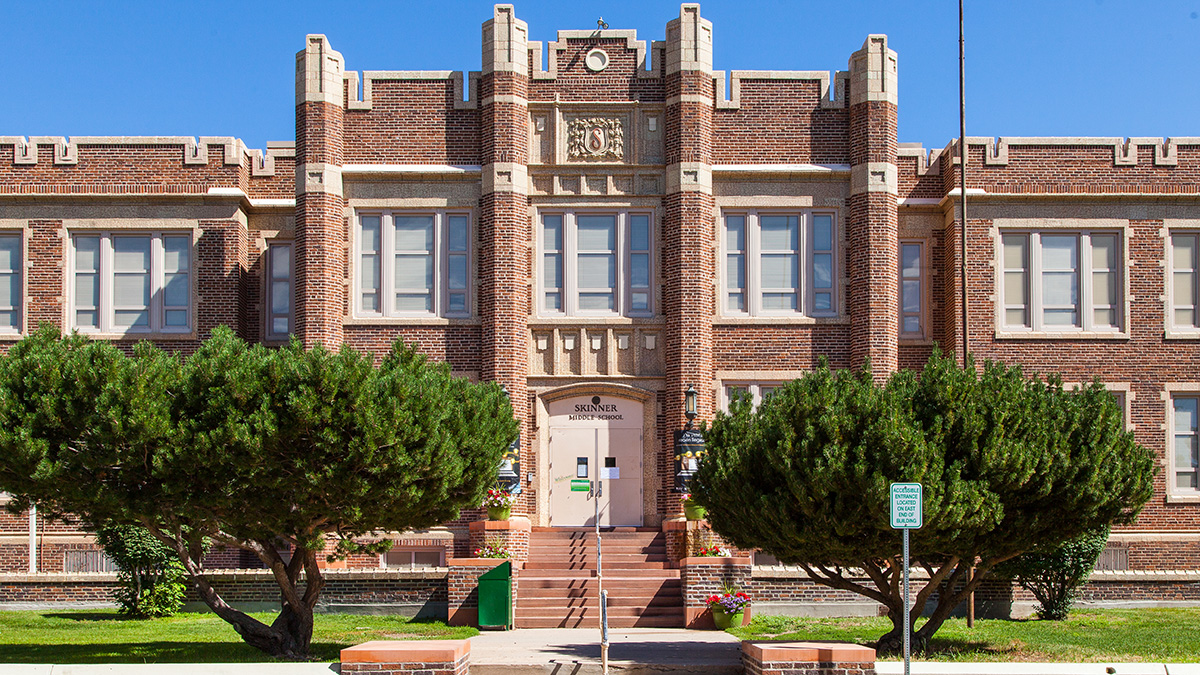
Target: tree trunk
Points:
(290, 635)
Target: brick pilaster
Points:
(321, 291)
(504, 226)
(687, 228)
(872, 258)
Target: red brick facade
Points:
(601, 123)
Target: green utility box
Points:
(495, 598)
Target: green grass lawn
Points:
(1155, 635)
(107, 637)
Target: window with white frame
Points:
(757, 391)
(912, 289)
(10, 283)
(129, 283)
(413, 264)
(1185, 281)
(780, 263)
(597, 263)
(1056, 281)
(279, 291)
(1184, 475)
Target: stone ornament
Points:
(596, 60)
(596, 138)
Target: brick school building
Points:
(601, 223)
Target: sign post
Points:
(906, 515)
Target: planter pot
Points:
(499, 512)
(693, 511)
(724, 620)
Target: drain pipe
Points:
(599, 565)
(33, 548)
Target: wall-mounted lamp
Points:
(508, 475)
(689, 405)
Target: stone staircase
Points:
(558, 587)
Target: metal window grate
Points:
(87, 561)
(1113, 559)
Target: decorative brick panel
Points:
(704, 577)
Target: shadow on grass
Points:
(88, 616)
(151, 652)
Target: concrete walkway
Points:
(632, 651)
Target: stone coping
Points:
(713, 561)
(681, 524)
(1098, 576)
(483, 562)
(514, 523)
(1000, 668)
(407, 651)
(802, 652)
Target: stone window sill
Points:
(780, 320)
(1060, 335)
(399, 321)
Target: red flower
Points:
(713, 598)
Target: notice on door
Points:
(610, 473)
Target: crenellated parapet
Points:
(1076, 165)
(193, 151)
(831, 96)
(363, 98)
(596, 59)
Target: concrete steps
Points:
(558, 587)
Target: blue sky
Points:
(218, 68)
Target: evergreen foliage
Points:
(272, 451)
(1054, 573)
(150, 577)
(1007, 464)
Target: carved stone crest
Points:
(596, 138)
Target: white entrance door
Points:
(596, 465)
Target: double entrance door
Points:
(596, 472)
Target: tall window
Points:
(279, 290)
(131, 282)
(1185, 465)
(596, 263)
(1061, 281)
(1185, 247)
(912, 289)
(10, 283)
(413, 264)
(757, 391)
(780, 264)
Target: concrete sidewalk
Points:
(632, 651)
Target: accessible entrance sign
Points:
(906, 506)
(906, 515)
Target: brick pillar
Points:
(688, 236)
(872, 222)
(321, 291)
(504, 229)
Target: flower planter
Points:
(693, 511)
(499, 512)
(724, 620)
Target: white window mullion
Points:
(157, 283)
(571, 251)
(754, 262)
(441, 276)
(387, 265)
(622, 261)
(106, 284)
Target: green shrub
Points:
(1055, 574)
(151, 578)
